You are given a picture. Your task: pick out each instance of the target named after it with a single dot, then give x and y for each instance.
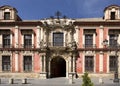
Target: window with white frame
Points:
(27, 40)
(88, 40)
(6, 41)
(112, 16)
(6, 15)
(58, 39)
(89, 63)
(112, 41)
(5, 63)
(27, 63)
(112, 63)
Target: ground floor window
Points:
(27, 63)
(89, 63)
(5, 63)
(112, 63)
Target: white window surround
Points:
(58, 32)
(94, 68)
(94, 38)
(28, 54)
(23, 38)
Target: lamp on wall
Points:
(116, 48)
(116, 79)
(105, 42)
(73, 45)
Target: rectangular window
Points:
(57, 39)
(89, 63)
(7, 16)
(5, 63)
(112, 63)
(112, 16)
(6, 40)
(112, 41)
(27, 63)
(28, 41)
(88, 40)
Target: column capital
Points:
(101, 27)
(16, 27)
(38, 27)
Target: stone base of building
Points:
(71, 75)
(111, 75)
(19, 75)
(43, 75)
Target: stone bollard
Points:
(24, 81)
(71, 80)
(101, 80)
(11, 81)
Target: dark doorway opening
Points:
(112, 15)
(58, 67)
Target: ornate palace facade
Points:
(59, 46)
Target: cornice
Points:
(76, 23)
(21, 23)
(104, 23)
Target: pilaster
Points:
(43, 73)
(16, 62)
(16, 36)
(38, 34)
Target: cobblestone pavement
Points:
(57, 82)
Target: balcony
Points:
(21, 47)
(27, 46)
(54, 45)
(113, 46)
(6, 46)
(57, 44)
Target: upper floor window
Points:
(112, 12)
(88, 40)
(27, 40)
(112, 17)
(58, 39)
(5, 63)
(6, 40)
(7, 16)
(112, 40)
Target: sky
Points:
(40, 9)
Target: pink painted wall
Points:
(97, 63)
(97, 55)
(105, 54)
(36, 62)
(79, 62)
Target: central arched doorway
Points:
(58, 67)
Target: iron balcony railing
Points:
(27, 46)
(6, 46)
(89, 45)
(21, 46)
(57, 44)
(32, 47)
(113, 46)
